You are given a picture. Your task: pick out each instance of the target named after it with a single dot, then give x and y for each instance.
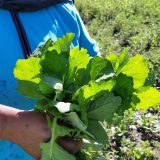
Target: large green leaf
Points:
(113, 58)
(51, 150)
(45, 89)
(149, 97)
(137, 69)
(54, 64)
(118, 62)
(58, 153)
(124, 89)
(62, 45)
(28, 74)
(98, 67)
(78, 59)
(122, 60)
(104, 107)
(84, 69)
(29, 89)
(88, 92)
(28, 70)
(96, 129)
(124, 86)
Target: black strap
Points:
(25, 5)
(22, 34)
(28, 5)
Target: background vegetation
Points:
(132, 24)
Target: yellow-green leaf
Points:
(137, 69)
(149, 97)
(28, 70)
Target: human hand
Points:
(30, 128)
(36, 131)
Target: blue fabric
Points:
(52, 22)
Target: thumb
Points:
(70, 144)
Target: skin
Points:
(28, 129)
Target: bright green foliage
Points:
(124, 88)
(28, 70)
(134, 67)
(52, 150)
(104, 105)
(74, 119)
(62, 45)
(89, 92)
(83, 91)
(137, 69)
(54, 63)
(118, 62)
(148, 96)
(78, 61)
(29, 89)
(96, 129)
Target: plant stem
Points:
(53, 136)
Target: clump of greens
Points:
(83, 91)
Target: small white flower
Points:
(58, 86)
(63, 107)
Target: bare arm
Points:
(28, 129)
(25, 128)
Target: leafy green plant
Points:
(83, 91)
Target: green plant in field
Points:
(134, 137)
